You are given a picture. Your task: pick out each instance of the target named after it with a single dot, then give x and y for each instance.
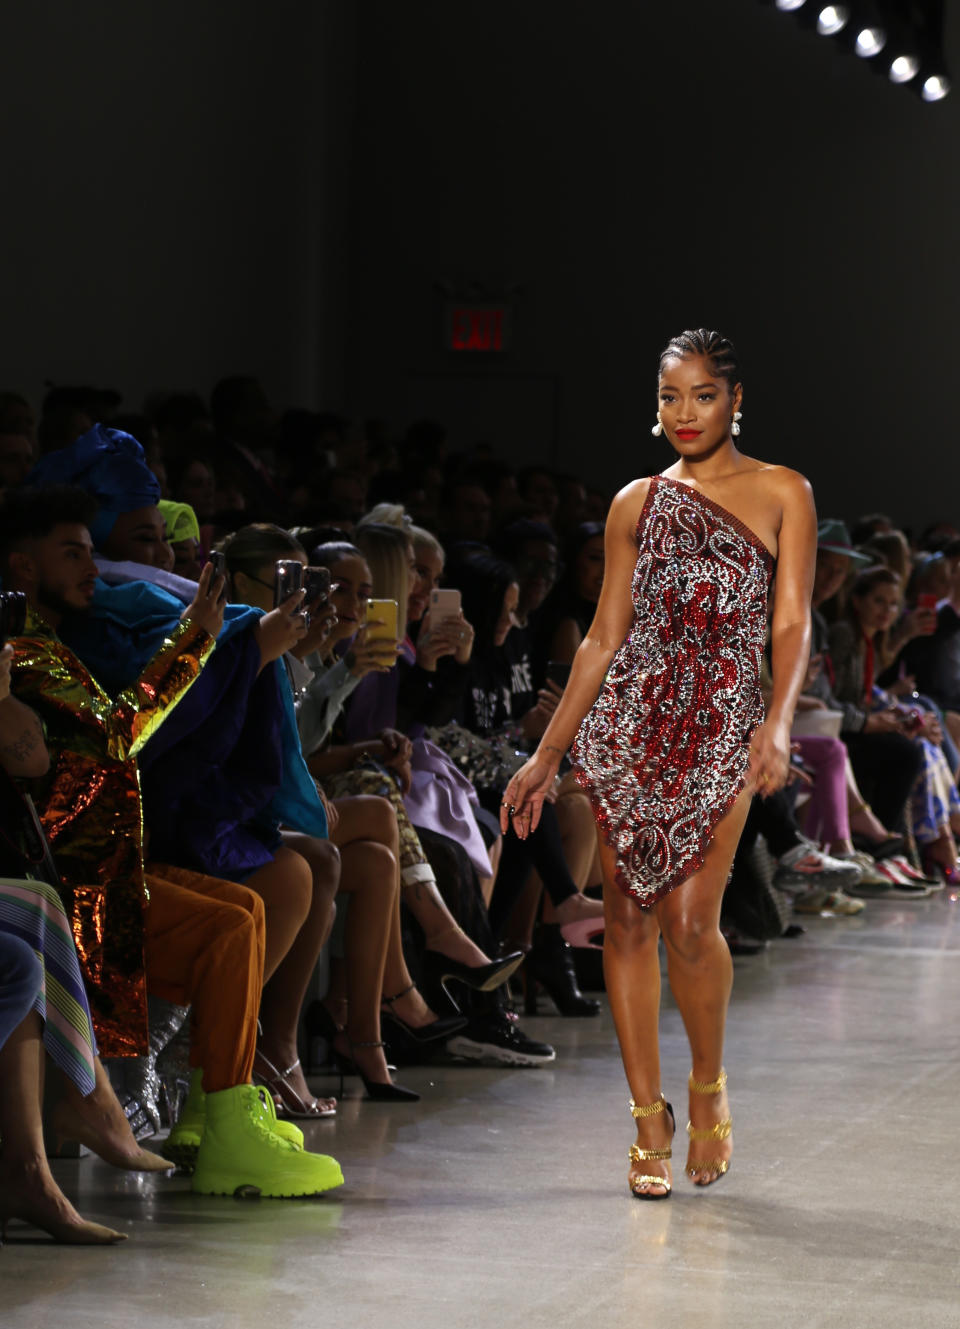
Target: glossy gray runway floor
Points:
(501, 1198)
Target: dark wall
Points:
(174, 193)
(637, 169)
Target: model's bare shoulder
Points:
(788, 487)
(628, 503)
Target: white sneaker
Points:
(806, 865)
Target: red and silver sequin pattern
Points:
(664, 751)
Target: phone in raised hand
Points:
(445, 604)
(382, 621)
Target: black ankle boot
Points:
(550, 963)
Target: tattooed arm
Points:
(23, 750)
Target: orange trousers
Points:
(204, 947)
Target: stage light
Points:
(935, 88)
(909, 33)
(870, 42)
(832, 19)
(903, 68)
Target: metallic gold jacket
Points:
(89, 803)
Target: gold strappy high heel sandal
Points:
(638, 1155)
(721, 1131)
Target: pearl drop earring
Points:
(735, 426)
(657, 429)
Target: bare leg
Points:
(286, 888)
(631, 969)
(440, 929)
(701, 977)
(283, 995)
(27, 1187)
(487, 883)
(578, 837)
(98, 1122)
(366, 835)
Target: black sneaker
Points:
(492, 1037)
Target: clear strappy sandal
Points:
(715, 1168)
(637, 1155)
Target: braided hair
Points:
(716, 349)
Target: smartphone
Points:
(219, 562)
(558, 673)
(382, 617)
(13, 615)
(927, 601)
(287, 578)
(444, 604)
(316, 583)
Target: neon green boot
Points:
(240, 1154)
(182, 1143)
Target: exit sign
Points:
(480, 328)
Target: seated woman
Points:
(933, 660)
(489, 590)
(856, 643)
(367, 764)
(36, 945)
(364, 830)
(434, 698)
(453, 949)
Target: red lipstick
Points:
(686, 434)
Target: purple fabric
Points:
(827, 816)
(441, 799)
(373, 703)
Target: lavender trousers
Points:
(827, 817)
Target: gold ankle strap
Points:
(708, 1086)
(638, 1155)
(720, 1131)
(647, 1109)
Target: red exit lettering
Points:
(476, 329)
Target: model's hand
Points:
(524, 795)
(207, 607)
(769, 760)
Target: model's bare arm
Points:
(790, 633)
(527, 789)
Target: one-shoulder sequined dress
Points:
(663, 753)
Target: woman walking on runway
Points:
(664, 714)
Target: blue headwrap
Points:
(108, 464)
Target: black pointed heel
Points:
(377, 1090)
(437, 1030)
(439, 969)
